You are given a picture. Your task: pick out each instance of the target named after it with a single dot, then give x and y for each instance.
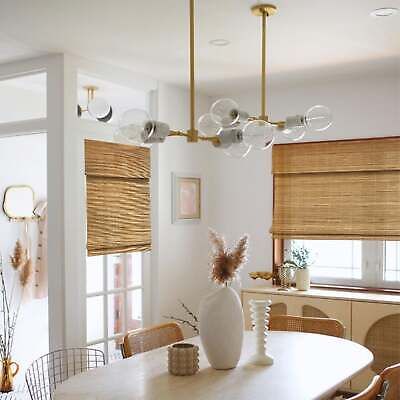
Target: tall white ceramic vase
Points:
(221, 328)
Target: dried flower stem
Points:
(9, 320)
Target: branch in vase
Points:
(183, 322)
(190, 313)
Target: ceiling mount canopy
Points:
(226, 126)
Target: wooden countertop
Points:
(351, 295)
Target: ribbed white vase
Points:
(260, 318)
(221, 328)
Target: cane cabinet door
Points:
(376, 326)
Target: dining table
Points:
(306, 366)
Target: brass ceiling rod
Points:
(193, 135)
(264, 11)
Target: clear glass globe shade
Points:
(132, 125)
(207, 126)
(98, 107)
(237, 150)
(225, 112)
(296, 133)
(259, 134)
(318, 118)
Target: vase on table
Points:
(8, 370)
(221, 328)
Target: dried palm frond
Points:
(25, 273)
(19, 256)
(225, 264)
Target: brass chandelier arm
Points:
(214, 139)
(279, 124)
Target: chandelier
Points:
(226, 126)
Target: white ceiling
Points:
(150, 37)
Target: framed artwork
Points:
(186, 198)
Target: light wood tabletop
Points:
(306, 367)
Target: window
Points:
(365, 263)
(114, 300)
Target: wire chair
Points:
(45, 373)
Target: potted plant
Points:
(300, 259)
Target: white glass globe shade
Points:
(207, 126)
(98, 108)
(237, 150)
(132, 126)
(259, 134)
(225, 112)
(296, 133)
(318, 118)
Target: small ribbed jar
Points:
(183, 359)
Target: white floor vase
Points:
(221, 328)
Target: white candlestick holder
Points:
(260, 318)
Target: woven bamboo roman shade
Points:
(346, 189)
(118, 198)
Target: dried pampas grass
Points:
(225, 264)
(25, 273)
(19, 257)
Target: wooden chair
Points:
(372, 391)
(323, 326)
(142, 340)
(392, 376)
(385, 386)
(47, 372)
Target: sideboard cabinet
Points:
(370, 319)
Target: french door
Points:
(114, 300)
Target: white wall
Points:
(181, 251)
(363, 106)
(23, 162)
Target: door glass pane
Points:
(97, 346)
(134, 269)
(94, 274)
(23, 98)
(134, 309)
(114, 350)
(95, 318)
(115, 313)
(115, 276)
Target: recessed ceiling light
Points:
(384, 12)
(219, 42)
